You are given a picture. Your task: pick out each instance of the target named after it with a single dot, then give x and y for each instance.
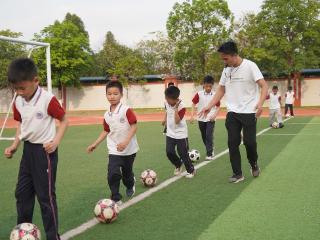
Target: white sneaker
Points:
(177, 171)
(209, 158)
(191, 175)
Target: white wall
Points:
(152, 95)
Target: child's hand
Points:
(50, 147)
(213, 117)
(122, 146)
(163, 122)
(9, 151)
(91, 148)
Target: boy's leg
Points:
(171, 152)
(286, 106)
(234, 128)
(249, 123)
(44, 176)
(209, 138)
(25, 193)
(127, 172)
(183, 148)
(114, 176)
(279, 116)
(271, 116)
(202, 128)
(291, 109)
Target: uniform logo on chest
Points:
(39, 115)
(122, 120)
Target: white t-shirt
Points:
(117, 124)
(274, 100)
(37, 116)
(180, 130)
(241, 88)
(202, 99)
(289, 97)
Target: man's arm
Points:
(217, 97)
(263, 95)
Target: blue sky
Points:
(129, 20)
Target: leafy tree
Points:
(197, 27)
(8, 52)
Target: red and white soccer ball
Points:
(275, 125)
(106, 211)
(25, 231)
(149, 178)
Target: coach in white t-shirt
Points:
(240, 82)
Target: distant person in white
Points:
(240, 82)
(290, 97)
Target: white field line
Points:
(91, 223)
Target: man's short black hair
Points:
(22, 69)
(275, 87)
(172, 92)
(229, 48)
(290, 88)
(115, 84)
(208, 79)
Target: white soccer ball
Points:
(25, 231)
(149, 178)
(106, 211)
(275, 125)
(194, 155)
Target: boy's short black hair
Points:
(22, 69)
(208, 79)
(290, 88)
(170, 84)
(229, 48)
(275, 87)
(172, 92)
(115, 84)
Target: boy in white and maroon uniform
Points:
(275, 107)
(36, 110)
(177, 132)
(290, 97)
(206, 124)
(119, 127)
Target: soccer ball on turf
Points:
(275, 125)
(194, 155)
(106, 211)
(149, 178)
(25, 231)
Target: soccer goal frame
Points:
(34, 45)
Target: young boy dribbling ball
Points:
(36, 110)
(206, 124)
(177, 133)
(119, 127)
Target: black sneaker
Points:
(131, 191)
(255, 171)
(281, 125)
(236, 178)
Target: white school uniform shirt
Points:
(180, 130)
(274, 101)
(117, 124)
(202, 99)
(37, 116)
(289, 97)
(241, 88)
